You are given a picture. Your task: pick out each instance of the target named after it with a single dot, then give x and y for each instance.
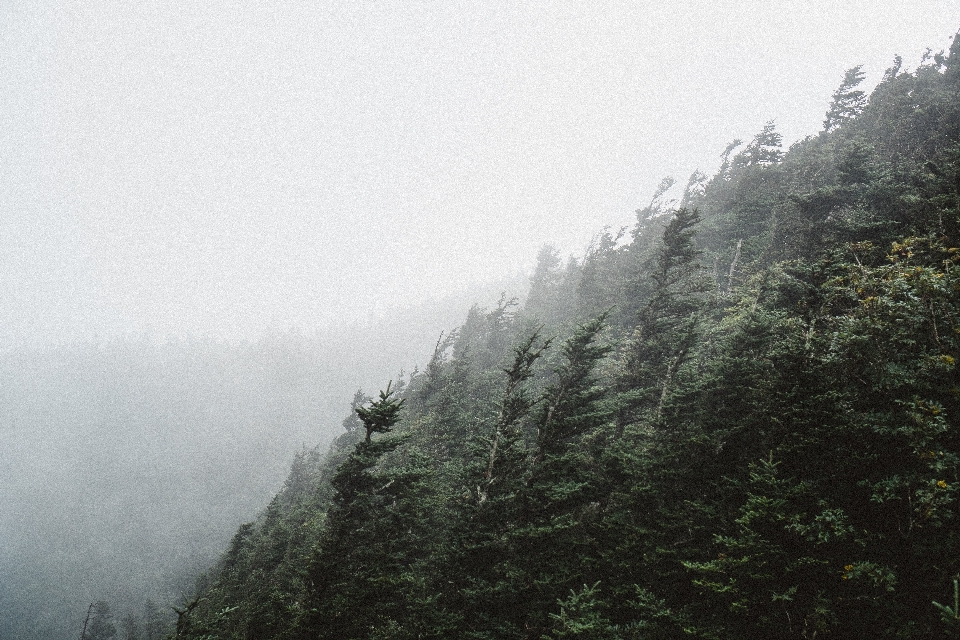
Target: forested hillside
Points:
(738, 419)
(128, 462)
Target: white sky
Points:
(228, 167)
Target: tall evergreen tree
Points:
(358, 579)
(99, 625)
(562, 493)
(487, 593)
(666, 328)
(777, 456)
(848, 101)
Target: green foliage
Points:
(563, 486)
(581, 617)
(667, 325)
(488, 593)
(358, 580)
(772, 451)
(764, 149)
(951, 616)
(848, 101)
(380, 416)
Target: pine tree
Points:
(361, 580)
(847, 101)
(562, 494)
(764, 149)
(667, 325)
(486, 591)
(100, 625)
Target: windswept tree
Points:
(774, 452)
(99, 623)
(667, 326)
(764, 149)
(562, 494)
(380, 416)
(485, 594)
(361, 579)
(847, 101)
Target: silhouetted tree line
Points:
(101, 624)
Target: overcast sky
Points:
(228, 167)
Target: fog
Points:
(221, 218)
(129, 462)
(229, 167)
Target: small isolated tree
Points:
(848, 101)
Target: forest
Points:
(128, 462)
(736, 419)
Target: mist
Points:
(226, 169)
(220, 220)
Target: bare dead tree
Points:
(86, 621)
(733, 267)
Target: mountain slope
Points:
(739, 420)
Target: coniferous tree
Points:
(562, 493)
(487, 593)
(131, 627)
(667, 324)
(360, 582)
(777, 457)
(848, 101)
(100, 625)
(764, 149)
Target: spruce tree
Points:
(99, 625)
(666, 330)
(358, 579)
(848, 101)
(562, 494)
(485, 589)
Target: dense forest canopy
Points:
(736, 419)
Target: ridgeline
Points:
(738, 419)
